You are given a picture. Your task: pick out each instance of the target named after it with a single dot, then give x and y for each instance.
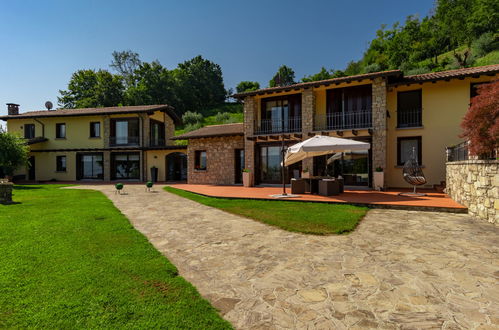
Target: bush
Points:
(13, 153)
(192, 127)
(191, 118)
(374, 67)
(484, 44)
(222, 117)
(417, 71)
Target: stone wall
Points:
(250, 109)
(378, 145)
(308, 111)
(475, 184)
(5, 192)
(220, 159)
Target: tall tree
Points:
(285, 76)
(247, 86)
(125, 63)
(13, 153)
(323, 75)
(89, 88)
(153, 84)
(199, 85)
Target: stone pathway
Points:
(398, 270)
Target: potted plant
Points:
(247, 178)
(305, 173)
(379, 178)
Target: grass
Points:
(307, 218)
(70, 259)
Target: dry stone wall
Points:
(475, 184)
(220, 159)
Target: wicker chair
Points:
(413, 174)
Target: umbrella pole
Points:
(282, 168)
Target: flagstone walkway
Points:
(398, 270)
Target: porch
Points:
(433, 201)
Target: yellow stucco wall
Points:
(444, 105)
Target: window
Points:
(60, 163)
(200, 160)
(29, 131)
(157, 133)
(95, 129)
(60, 131)
(125, 131)
(280, 114)
(407, 148)
(90, 166)
(409, 109)
(348, 108)
(125, 166)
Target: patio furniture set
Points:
(324, 186)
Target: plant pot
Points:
(247, 179)
(305, 175)
(379, 180)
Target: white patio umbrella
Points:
(321, 145)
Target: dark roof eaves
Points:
(182, 137)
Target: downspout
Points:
(43, 126)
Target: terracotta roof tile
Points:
(95, 111)
(213, 131)
(451, 74)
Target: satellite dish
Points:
(49, 105)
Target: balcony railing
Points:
(157, 142)
(343, 120)
(409, 118)
(124, 141)
(270, 126)
(457, 152)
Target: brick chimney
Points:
(12, 109)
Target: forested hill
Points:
(457, 33)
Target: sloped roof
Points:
(451, 74)
(96, 111)
(213, 131)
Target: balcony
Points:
(124, 141)
(409, 118)
(275, 126)
(343, 120)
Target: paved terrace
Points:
(434, 201)
(397, 270)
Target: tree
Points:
(89, 88)
(126, 63)
(153, 84)
(13, 153)
(481, 123)
(285, 76)
(247, 86)
(199, 85)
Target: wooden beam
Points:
(355, 132)
(250, 138)
(326, 133)
(263, 138)
(274, 137)
(370, 131)
(340, 133)
(298, 136)
(311, 134)
(286, 136)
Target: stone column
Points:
(308, 111)
(250, 113)
(144, 130)
(107, 165)
(169, 130)
(378, 144)
(107, 131)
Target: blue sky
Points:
(44, 42)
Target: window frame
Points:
(58, 163)
(197, 160)
(399, 93)
(420, 147)
(26, 130)
(92, 123)
(57, 126)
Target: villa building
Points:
(103, 144)
(400, 116)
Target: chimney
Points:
(12, 109)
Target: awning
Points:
(320, 145)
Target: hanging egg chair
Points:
(413, 175)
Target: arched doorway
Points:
(176, 166)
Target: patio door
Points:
(269, 165)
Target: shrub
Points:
(190, 118)
(481, 122)
(484, 44)
(222, 117)
(192, 127)
(374, 67)
(13, 153)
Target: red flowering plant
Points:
(481, 123)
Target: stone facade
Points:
(5, 192)
(378, 145)
(475, 184)
(250, 111)
(220, 159)
(308, 111)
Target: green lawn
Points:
(70, 259)
(308, 218)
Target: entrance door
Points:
(239, 166)
(31, 171)
(270, 170)
(176, 167)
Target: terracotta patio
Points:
(433, 201)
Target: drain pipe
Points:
(43, 126)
